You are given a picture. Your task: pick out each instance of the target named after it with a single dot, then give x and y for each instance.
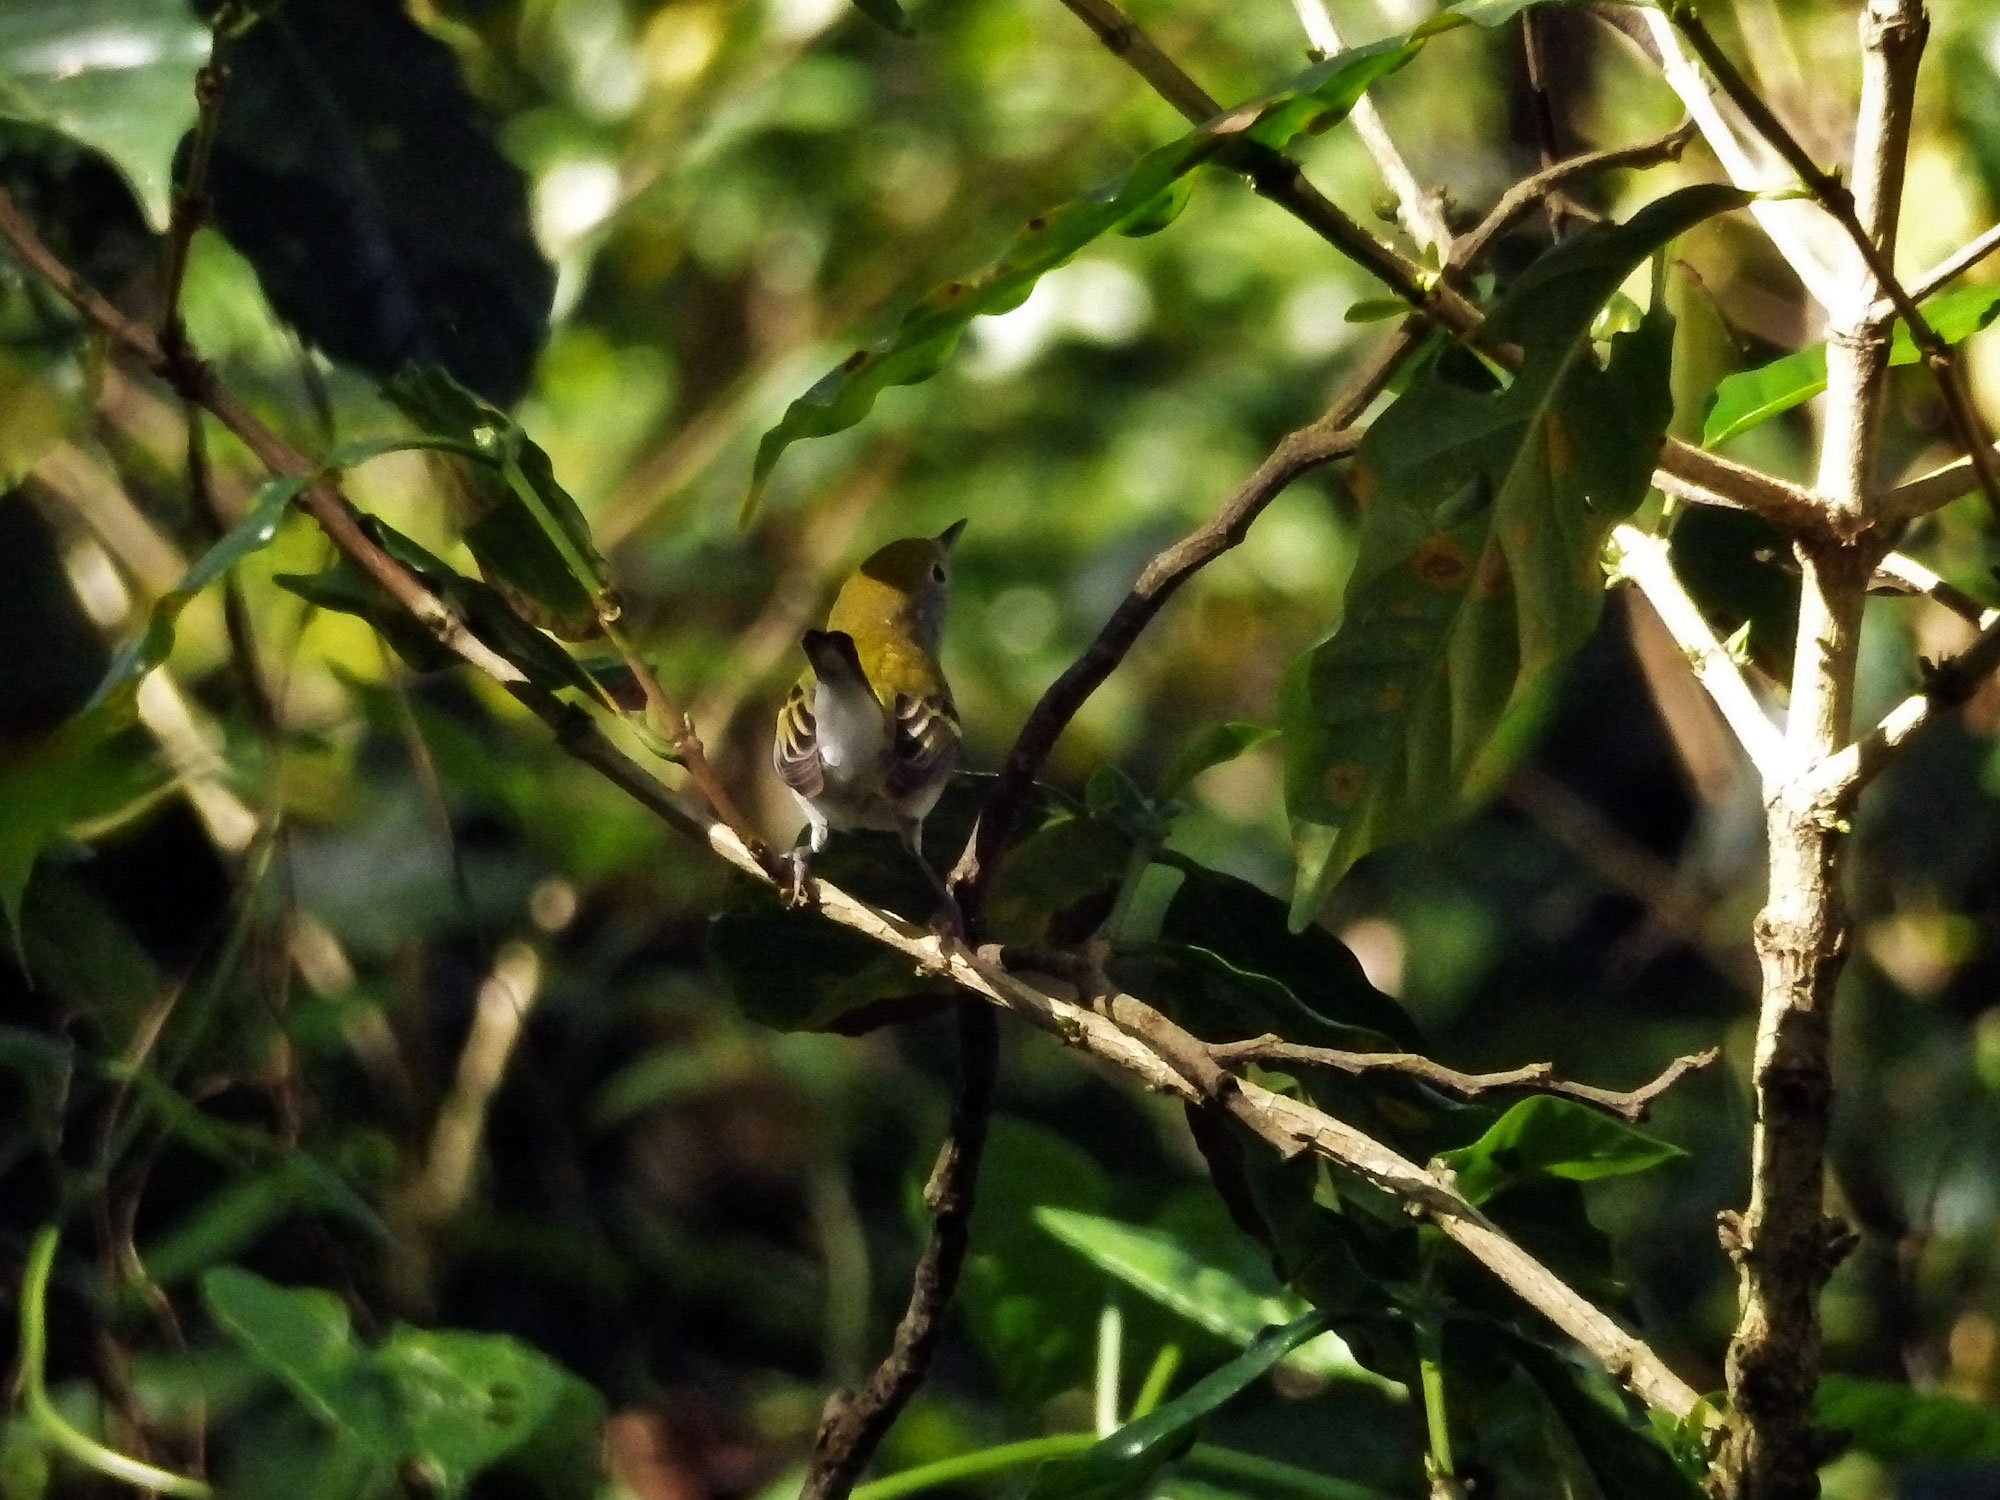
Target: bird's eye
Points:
(937, 572)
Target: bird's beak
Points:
(950, 534)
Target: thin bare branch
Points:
(1905, 575)
(1297, 453)
(1533, 1078)
(1644, 560)
(1946, 686)
(1927, 492)
(1950, 268)
(1418, 211)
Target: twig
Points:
(856, 1421)
(1297, 453)
(1927, 492)
(190, 206)
(1541, 107)
(1908, 576)
(1534, 1078)
(1898, 30)
(1946, 686)
(1644, 560)
(1529, 191)
(1950, 268)
(1417, 211)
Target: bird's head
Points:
(900, 588)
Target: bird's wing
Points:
(925, 748)
(795, 751)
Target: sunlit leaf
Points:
(1485, 506)
(1744, 400)
(1220, 1300)
(531, 540)
(1556, 1138)
(117, 75)
(1123, 1463)
(928, 332)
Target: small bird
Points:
(869, 736)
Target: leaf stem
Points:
(1430, 1370)
(1153, 1389)
(35, 1396)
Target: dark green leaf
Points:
(1029, 1310)
(1151, 218)
(449, 1402)
(929, 331)
(1212, 747)
(1744, 400)
(1125, 1461)
(1485, 509)
(355, 173)
(531, 540)
(886, 14)
(1558, 1138)
(96, 764)
(1245, 927)
(1889, 1421)
(346, 589)
(117, 75)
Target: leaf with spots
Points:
(1485, 506)
(1144, 200)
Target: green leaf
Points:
(887, 14)
(1210, 748)
(1485, 507)
(1245, 928)
(1026, 1306)
(1743, 400)
(253, 533)
(94, 765)
(355, 171)
(1889, 1421)
(346, 589)
(531, 540)
(117, 75)
(1124, 1462)
(449, 1402)
(1557, 1138)
(925, 337)
(1234, 1304)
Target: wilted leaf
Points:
(928, 332)
(117, 75)
(1485, 506)
(354, 171)
(1557, 1138)
(1743, 400)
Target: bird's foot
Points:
(948, 922)
(802, 890)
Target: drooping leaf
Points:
(1743, 400)
(1212, 747)
(1236, 1304)
(1891, 1422)
(929, 331)
(346, 589)
(1486, 504)
(449, 1402)
(354, 171)
(117, 75)
(531, 540)
(1557, 1138)
(1124, 1462)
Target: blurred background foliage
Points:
(365, 882)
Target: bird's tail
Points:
(833, 657)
